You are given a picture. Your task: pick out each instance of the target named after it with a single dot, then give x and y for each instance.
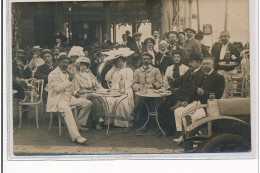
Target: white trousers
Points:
(64, 107)
(196, 115)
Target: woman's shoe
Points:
(80, 140)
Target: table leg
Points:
(147, 117)
(158, 103)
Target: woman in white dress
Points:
(84, 84)
(120, 108)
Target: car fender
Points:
(210, 119)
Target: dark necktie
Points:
(176, 71)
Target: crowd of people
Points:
(178, 62)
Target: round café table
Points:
(156, 103)
(101, 97)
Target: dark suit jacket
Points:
(191, 46)
(108, 42)
(188, 85)
(233, 51)
(24, 72)
(204, 51)
(163, 61)
(214, 83)
(43, 71)
(133, 47)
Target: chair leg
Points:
(36, 113)
(20, 115)
(59, 118)
(51, 116)
(43, 112)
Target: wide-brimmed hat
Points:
(116, 53)
(76, 51)
(35, 48)
(137, 34)
(149, 38)
(190, 29)
(46, 51)
(195, 56)
(147, 54)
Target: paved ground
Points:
(29, 141)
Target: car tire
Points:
(225, 143)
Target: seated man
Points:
(212, 83)
(189, 82)
(146, 75)
(60, 99)
(44, 70)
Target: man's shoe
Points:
(178, 140)
(100, 120)
(80, 127)
(98, 126)
(80, 140)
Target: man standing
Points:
(212, 83)
(191, 44)
(157, 40)
(138, 47)
(219, 51)
(56, 52)
(222, 50)
(106, 41)
(173, 37)
(60, 98)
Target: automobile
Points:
(229, 131)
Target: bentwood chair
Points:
(74, 110)
(33, 97)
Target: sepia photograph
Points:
(105, 78)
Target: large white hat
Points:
(76, 51)
(115, 53)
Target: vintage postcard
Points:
(130, 79)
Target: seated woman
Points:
(174, 71)
(74, 53)
(84, 84)
(122, 116)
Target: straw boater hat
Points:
(46, 51)
(137, 34)
(62, 55)
(35, 48)
(190, 29)
(82, 59)
(20, 53)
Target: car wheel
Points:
(225, 143)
